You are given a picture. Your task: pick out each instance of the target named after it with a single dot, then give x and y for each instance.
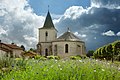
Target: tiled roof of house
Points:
(14, 46)
(10, 46)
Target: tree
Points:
(23, 47)
(109, 50)
(116, 47)
(104, 53)
(90, 53)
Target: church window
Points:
(66, 48)
(46, 34)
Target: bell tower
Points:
(47, 34)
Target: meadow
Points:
(63, 69)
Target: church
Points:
(64, 46)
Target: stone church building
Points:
(66, 45)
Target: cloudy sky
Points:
(97, 22)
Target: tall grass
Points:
(85, 69)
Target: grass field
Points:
(85, 69)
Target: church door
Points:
(46, 52)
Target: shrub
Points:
(53, 57)
(6, 62)
(75, 57)
(38, 57)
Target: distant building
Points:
(10, 50)
(66, 45)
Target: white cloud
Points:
(108, 33)
(18, 23)
(74, 12)
(110, 4)
(80, 35)
(2, 31)
(118, 34)
(95, 38)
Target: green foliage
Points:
(85, 69)
(108, 51)
(6, 62)
(78, 57)
(90, 53)
(38, 57)
(53, 57)
(23, 47)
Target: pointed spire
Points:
(48, 22)
(68, 29)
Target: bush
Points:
(38, 57)
(53, 57)
(6, 62)
(75, 57)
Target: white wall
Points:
(52, 35)
(45, 46)
(2, 53)
(17, 52)
(73, 48)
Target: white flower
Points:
(51, 66)
(80, 60)
(60, 68)
(63, 61)
(94, 70)
(103, 70)
(59, 65)
(118, 69)
(55, 60)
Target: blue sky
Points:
(56, 6)
(96, 22)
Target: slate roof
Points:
(48, 22)
(68, 36)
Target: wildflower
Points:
(44, 74)
(12, 66)
(80, 60)
(118, 69)
(103, 70)
(55, 60)
(51, 66)
(63, 61)
(47, 70)
(59, 65)
(83, 74)
(60, 68)
(12, 78)
(96, 60)
(94, 70)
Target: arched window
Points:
(46, 52)
(46, 33)
(66, 48)
(55, 50)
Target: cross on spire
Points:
(68, 29)
(48, 7)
